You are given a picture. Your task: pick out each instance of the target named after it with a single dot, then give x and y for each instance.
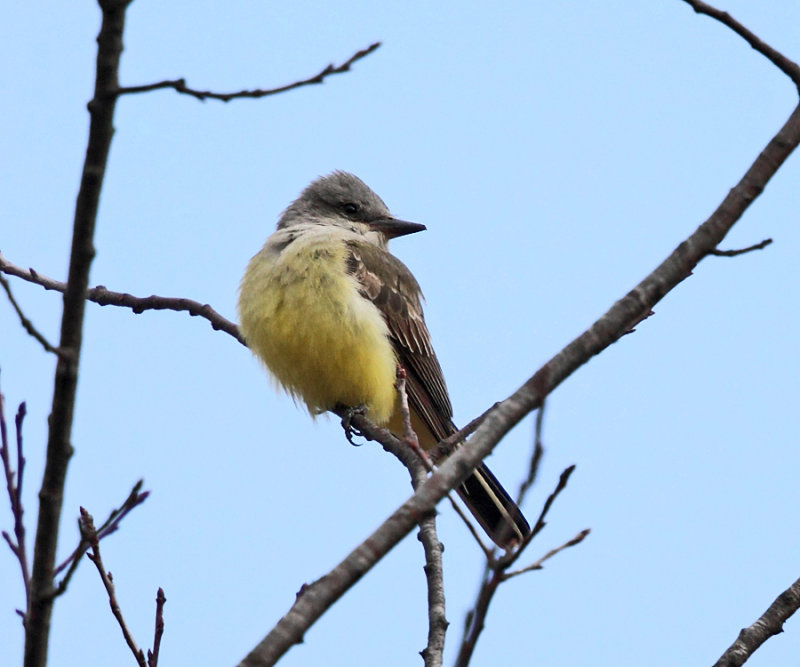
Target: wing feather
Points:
(387, 283)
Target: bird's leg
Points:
(347, 415)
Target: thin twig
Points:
(769, 624)
(105, 297)
(135, 498)
(152, 656)
(742, 251)
(540, 563)
(788, 67)
(14, 489)
(180, 86)
(536, 456)
(90, 534)
(26, 323)
(495, 572)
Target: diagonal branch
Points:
(24, 321)
(625, 313)
(180, 86)
(89, 534)
(135, 498)
(788, 67)
(769, 624)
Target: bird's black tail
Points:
(494, 509)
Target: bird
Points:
(332, 313)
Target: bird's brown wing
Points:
(387, 283)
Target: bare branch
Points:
(780, 61)
(14, 489)
(180, 86)
(105, 297)
(769, 624)
(536, 456)
(135, 498)
(59, 447)
(89, 533)
(540, 563)
(418, 464)
(495, 573)
(152, 656)
(26, 323)
(741, 251)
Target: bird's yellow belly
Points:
(320, 339)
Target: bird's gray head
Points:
(344, 200)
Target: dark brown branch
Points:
(780, 61)
(105, 297)
(152, 656)
(741, 251)
(180, 86)
(135, 498)
(770, 624)
(14, 489)
(26, 323)
(539, 564)
(536, 456)
(59, 447)
(89, 534)
(496, 573)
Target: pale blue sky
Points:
(557, 152)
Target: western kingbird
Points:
(332, 313)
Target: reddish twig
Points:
(14, 489)
(180, 86)
(135, 498)
(152, 656)
(89, 533)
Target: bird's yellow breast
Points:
(302, 315)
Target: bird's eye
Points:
(350, 208)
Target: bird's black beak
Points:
(391, 228)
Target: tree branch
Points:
(741, 251)
(59, 448)
(770, 623)
(105, 297)
(14, 489)
(180, 86)
(135, 498)
(788, 67)
(24, 321)
(89, 534)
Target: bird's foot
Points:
(347, 422)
